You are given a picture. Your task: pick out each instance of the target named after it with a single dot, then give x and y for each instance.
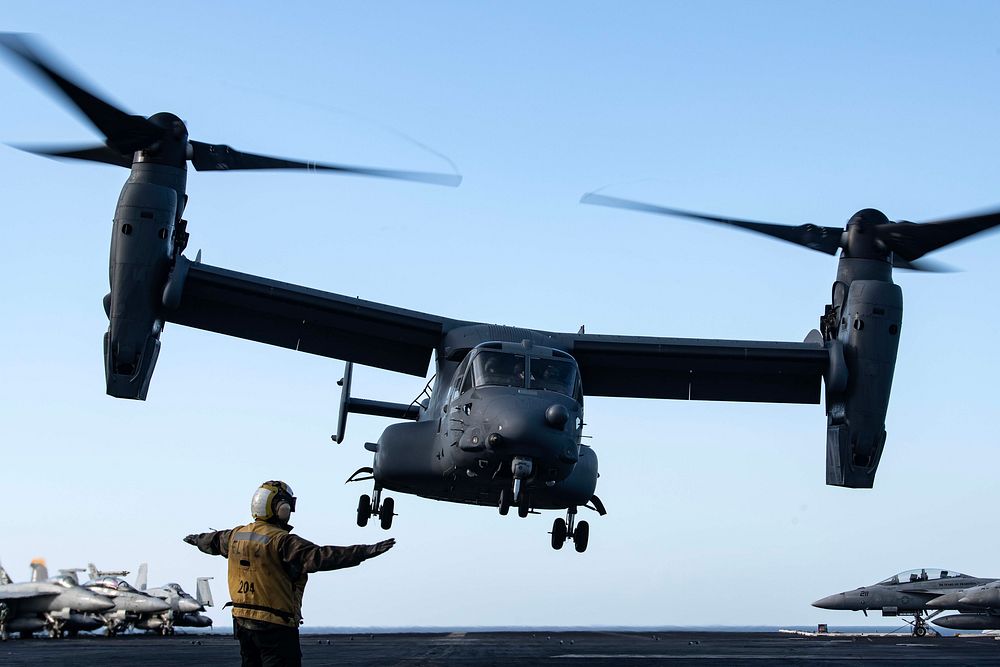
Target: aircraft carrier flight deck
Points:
(598, 649)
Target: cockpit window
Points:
(553, 375)
(923, 574)
(498, 369)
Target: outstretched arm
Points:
(302, 555)
(215, 543)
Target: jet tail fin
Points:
(140, 579)
(204, 592)
(39, 572)
(92, 572)
(4, 577)
(72, 574)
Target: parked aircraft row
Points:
(924, 594)
(61, 605)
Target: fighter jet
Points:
(183, 610)
(909, 593)
(979, 607)
(54, 605)
(130, 604)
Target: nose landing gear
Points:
(568, 529)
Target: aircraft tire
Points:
(504, 502)
(385, 514)
(558, 533)
(581, 536)
(522, 505)
(920, 632)
(364, 510)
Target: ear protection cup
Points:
(283, 512)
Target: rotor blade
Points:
(220, 157)
(125, 132)
(91, 153)
(911, 240)
(823, 239)
(926, 265)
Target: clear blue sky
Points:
(718, 513)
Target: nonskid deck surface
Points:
(598, 649)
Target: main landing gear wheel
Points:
(504, 502)
(373, 505)
(558, 533)
(920, 631)
(522, 504)
(568, 529)
(581, 536)
(385, 513)
(364, 510)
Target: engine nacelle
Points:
(864, 341)
(142, 250)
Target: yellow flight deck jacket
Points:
(269, 566)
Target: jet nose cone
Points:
(830, 602)
(152, 605)
(186, 606)
(94, 602)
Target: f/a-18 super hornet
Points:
(183, 611)
(502, 422)
(55, 605)
(130, 604)
(979, 608)
(922, 594)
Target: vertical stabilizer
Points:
(92, 572)
(140, 579)
(72, 574)
(204, 592)
(4, 577)
(39, 572)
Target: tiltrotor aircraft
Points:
(502, 420)
(923, 594)
(55, 605)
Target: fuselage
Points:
(499, 406)
(907, 593)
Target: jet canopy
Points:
(923, 574)
(114, 583)
(493, 366)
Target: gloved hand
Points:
(380, 548)
(192, 539)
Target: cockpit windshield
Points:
(503, 369)
(63, 580)
(498, 369)
(553, 375)
(923, 574)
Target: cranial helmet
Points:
(272, 500)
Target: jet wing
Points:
(307, 320)
(705, 370)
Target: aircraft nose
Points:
(95, 603)
(831, 602)
(151, 605)
(186, 606)
(946, 601)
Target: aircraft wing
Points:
(307, 320)
(696, 369)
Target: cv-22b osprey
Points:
(502, 424)
(922, 594)
(55, 605)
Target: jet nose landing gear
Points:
(568, 529)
